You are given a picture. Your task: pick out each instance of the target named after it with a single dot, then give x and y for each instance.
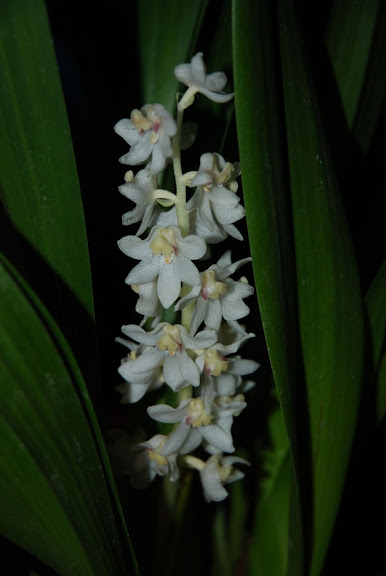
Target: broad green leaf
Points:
(54, 496)
(376, 313)
(259, 119)
(39, 186)
(39, 183)
(167, 36)
(348, 39)
(258, 112)
(330, 308)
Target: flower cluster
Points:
(198, 357)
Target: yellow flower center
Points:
(165, 243)
(214, 363)
(146, 121)
(153, 455)
(197, 415)
(171, 340)
(211, 288)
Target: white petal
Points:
(218, 438)
(126, 129)
(203, 339)
(139, 334)
(192, 247)
(214, 491)
(135, 247)
(185, 270)
(144, 272)
(213, 315)
(169, 284)
(183, 73)
(242, 367)
(176, 439)
(168, 415)
(220, 98)
(158, 160)
(198, 69)
(216, 81)
(199, 315)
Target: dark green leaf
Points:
(330, 307)
(376, 311)
(38, 174)
(259, 118)
(54, 497)
(167, 35)
(269, 551)
(349, 38)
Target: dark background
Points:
(97, 58)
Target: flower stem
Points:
(182, 213)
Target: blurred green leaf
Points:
(54, 497)
(330, 308)
(38, 176)
(270, 534)
(348, 38)
(167, 34)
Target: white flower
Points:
(215, 202)
(218, 297)
(148, 132)
(148, 303)
(206, 417)
(195, 77)
(142, 461)
(167, 255)
(169, 350)
(217, 471)
(142, 190)
(141, 371)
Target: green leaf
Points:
(54, 497)
(371, 105)
(39, 185)
(258, 110)
(330, 308)
(259, 119)
(376, 313)
(269, 551)
(167, 36)
(381, 390)
(38, 176)
(349, 36)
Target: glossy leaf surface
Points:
(38, 176)
(54, 496)
(330, 308)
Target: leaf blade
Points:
(330, 308)
(48, 447)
